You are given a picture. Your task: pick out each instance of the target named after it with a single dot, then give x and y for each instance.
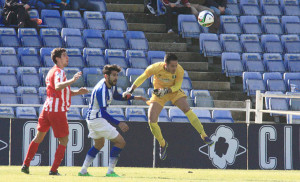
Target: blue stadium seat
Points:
(204, 101)
(274, 81)
(7, 95)
(43, 71)
(136, 59)
(291, 24)
(250, 43)
(163, 116)
(253, 62)
(70, 72)
(292, 62)
(209, 45)
(46, 57)
(116, 113)
(101, 5)
(93, 57)
(291, 43)
(94, 20)
(202, 93)
(33, 13)
(271, 44)
(230, 24)
(72, 19)
(115, 39)
(134, 73)
(28, 76)
(118, 102)
(8, 77)
(29, 57)
(232, 64)
(8, 37)
(294, 104)
(29, 37)
(72, 38)
(139, 92)
(220, 116)
(8, 57)
(93, 39)
(136, 114)
(291, 78)
(276, 103)
(271, 25)
(250, 25)
(186, 84)
(290, 7)
(274, 62)
(116, 56)
(26, 112)
(75, 58)
(42, 94)
(77, 99)
(250, 7)
(74, 114)
(253, 81)
(7, 112)
(203, 115)
(176, 115)
(270, 7)
(50, 37)
(188, 26)
(116, 21)
(156, 56)
(233, 5)
(92, 76)
(28, 95)
(231, 43)
(84, 112)
(137, 40)
(123, 82)
(51, 18)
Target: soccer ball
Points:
(205, 18)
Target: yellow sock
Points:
(196, 123)
(155, 129)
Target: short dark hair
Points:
(56, 53)
(170, 57)
(109, 68)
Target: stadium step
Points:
(211, 85)
(125, 8)
(147, 27)
(229, 95)
(168, 47)
(192, 66)
(190, 57)
(207, 76)
(143, 18)
(124, 1)
(229, 104)
(164, 37)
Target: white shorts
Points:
(101, 128)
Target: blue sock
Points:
(115, 151)
(93, 151)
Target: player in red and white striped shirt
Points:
(55, 109)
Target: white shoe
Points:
(151, 9)
(170, 31)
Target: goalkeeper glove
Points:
(160, 92)
(126, 95)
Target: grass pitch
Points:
(40, 174)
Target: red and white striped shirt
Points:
(57, 101)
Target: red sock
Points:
(59, 155)
(33, 147)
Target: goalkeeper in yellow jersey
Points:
(168, 77)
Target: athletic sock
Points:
(59, 155)
(33, 147)
(196, 123)
(113, 159)
(155, 129)
(90, 156)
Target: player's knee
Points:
(63, 141)
(152, 119)
(38, 139)
(122, 144)
(185, 110)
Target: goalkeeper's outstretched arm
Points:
(138, 82)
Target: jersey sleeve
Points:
(178, 80)
(151, 70)
(58, 76)
(100, 95)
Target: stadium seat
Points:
(28, 76)
(93, 57)
(163, 116)
(233, 5)
(291, 43)
(8, 57)
(203, 93)
(271, 44)
(139, 92)
(77, 99)
(46, 57)
(136, 114)
(29, 57)
(8, 77)
(276, 103)
(92, 76)
(43, 71)
(101, 5)
(209, 45)
(274, 82)
(33, 13)
(42, 94)
(70, 72)
(116, 56)
(115, 39)
(270, 7)
(156, 56)
(51, 18)
(250, 43)
(250, 7)
(232, 64)
(116, 21)
(290, 7)
(203, 115)
(250, 25)
(94, 20)
(7, 95)
(29, 37)
(253, 62)
(271, 25)
(188, 26)
(204, 101)
(72, 38)
(230, 25)
(273, 62)
(231, 43)
(292, 62)
(74, 114)
(136, 59)
(291, 78)
(72, 19)
(123, 82)
(50, 37)
(291, 24)
(93, 39)
(8, 37)
(253, 81)
(84, 112)
(294, 104)
(75, 58)
(134, 73)
(116, 113)
(137, 40)
(28, 95)
(176, 115)
(186, 84)
(26, 112)
(7, 112)
(221, 116)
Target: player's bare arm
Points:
(123, 127)
(81, 91)
(62, 85)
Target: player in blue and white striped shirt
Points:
(100, 122)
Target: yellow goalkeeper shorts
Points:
(173, 97)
